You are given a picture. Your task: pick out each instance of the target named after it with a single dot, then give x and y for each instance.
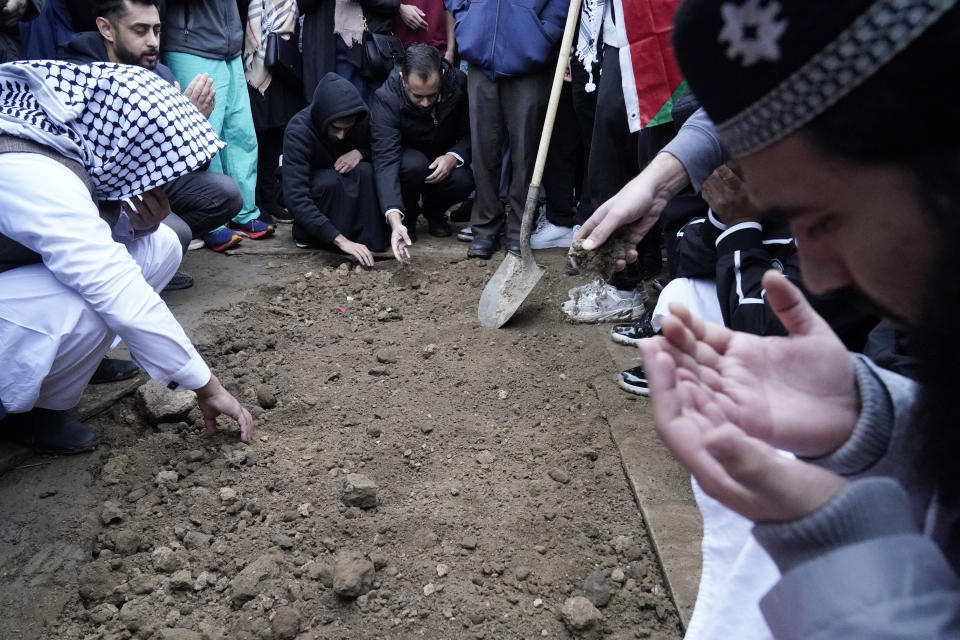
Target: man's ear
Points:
(105, 28)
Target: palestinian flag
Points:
(651, 76)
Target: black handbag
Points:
(381, 52)
(282, 58)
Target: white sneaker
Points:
(601, 302)
(548, 235)
(195, 244)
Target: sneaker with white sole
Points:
(196, 243)
(633, 332)
(600, 302)
(548, 235)
(634, 381)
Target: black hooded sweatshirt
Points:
(307, 148)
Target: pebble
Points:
(580, 615)
(387, 357)
(359, 491)
(379, 560)
(539, 548)
(160, 404)
(285, 623)
(374, 431)
(485, 458)
(246, 585)
(167, 560)
(588, 453)
(469, 542)
(266, 398)
(134, 614)
(502, 394)
(429, 350)
(597, 589)
(537, 603)
(442, 570)
(103, 613)
(228, 495)
(559, 475)
(429, 589)
(378, 371)
(126, 542)
(181, 580)
(618, 576)
(95, 581)
(353, 574)
(304, 510)
(111, 513)
(167, 478)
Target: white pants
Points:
(51, 340)
(736, 571)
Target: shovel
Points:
(516, 276)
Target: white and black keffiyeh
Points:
(591, 24)
(129, 128)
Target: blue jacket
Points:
(508, 38)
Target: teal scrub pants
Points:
(231, 120)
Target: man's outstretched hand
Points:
(723, 401)
(214, 400)
(201, 93)
(635, 208)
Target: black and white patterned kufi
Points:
(765, 68)
(129, 128)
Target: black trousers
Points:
(437, 198)
(204, 200)
(350, 203)
(507, 110)
(563, 174)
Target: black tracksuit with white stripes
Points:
(737, 257)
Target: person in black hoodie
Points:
(420, 126)
(202, 201)
(328, 181)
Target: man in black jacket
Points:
(328, 180)
(421, 139)
(129, 33)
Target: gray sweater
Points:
(875, 562)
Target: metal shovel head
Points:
(513, 281)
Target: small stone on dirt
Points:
(352, 574)
(111, 513)
(429, 589)
(597, 589)
(580, 615)
(285, 623)
(266, 398)
(103, 613)
(228, 495)
(387, 357)
(485, 458)
(160, 404)
(559, 475)
(359, 491)
(167, 478)
(378, 371)
(246, 585)
(181, 580)
(468, 542)
(167, 560)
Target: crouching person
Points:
(84, 152)
(328, 181)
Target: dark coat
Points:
(307, 149)
(395, 123)
(205, 28)
(506, 38)
(89, 47)
(319, 42)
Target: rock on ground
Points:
(352, 574)
(597, 589)
(285, 623)
(160, 404)
(580, 615)
(246, 585)
(359, 491)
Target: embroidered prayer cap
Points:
(130, 129)
(765, 68)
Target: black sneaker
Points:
(632, 333)
(634, 381)
(48, 431)
(180, 280)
